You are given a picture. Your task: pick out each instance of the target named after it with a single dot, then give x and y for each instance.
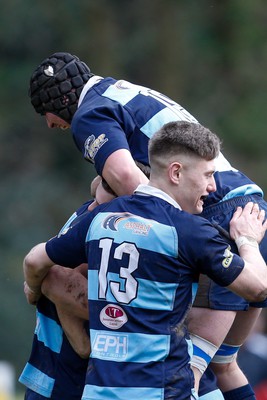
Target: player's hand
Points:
(249, 222)
(32, 296)
(101, 196)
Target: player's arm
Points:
(121, 172)
(36, 265)
(247, 228)
(74, 329)
(69, 294)
(67, 289)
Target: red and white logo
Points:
(113, 316)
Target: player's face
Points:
(196, 182)
(53, 121)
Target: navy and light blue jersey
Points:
(54, 369)
(115, 114)
(143, 256)
(230, 183)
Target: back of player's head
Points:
(56, 84)
(182, 138)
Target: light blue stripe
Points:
(49, 332)
(145, 233)
(175, 113)
(92, 392)
(129, 347)
(189, 347)
(67, 224)
(243, 191)
(151, 295)
(122, 96)
(194, 290)
(214, 395)
(194, 395)
(36, 380)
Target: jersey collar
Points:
(92, 81)
(147, 190)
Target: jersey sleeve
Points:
(208, 253)
(99, 133)
(69, 248)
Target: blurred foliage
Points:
(209, 56)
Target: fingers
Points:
(255, 209)
(261, 215)
(248, 221)
(237, 213)
(249, 209)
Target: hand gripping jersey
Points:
(54, 369)
(116, 114)
(144, 254)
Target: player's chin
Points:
(199, 207)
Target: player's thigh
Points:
(242, 326)
(213, 325)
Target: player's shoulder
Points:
(193, 223)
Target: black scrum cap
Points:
(56, 84)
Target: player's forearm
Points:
(121, 173)
(75, 331)
(126, 182)
(257, 267)
(36, 265)
(252, 281)
(67, 289)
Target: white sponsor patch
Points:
(92, 145)
(110, 346)
(228, 257)
(113, 317)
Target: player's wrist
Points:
(246, 240)
(36, 290)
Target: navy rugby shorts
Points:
(209, 294)
(31, 395)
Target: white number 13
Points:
(130, 290)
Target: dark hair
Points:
(184, 137)
(56, 85)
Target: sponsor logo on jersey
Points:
(92, 145)
(138, 228)
(113, 316)
(125, 85)
(228, 257)
(112, 221)
(110, 346)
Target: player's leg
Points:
(208, 389)
(231, 380)
(208, 329)
(67, 289)
(219, 298)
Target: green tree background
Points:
(209, 56)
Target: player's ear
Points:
(174, 171)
